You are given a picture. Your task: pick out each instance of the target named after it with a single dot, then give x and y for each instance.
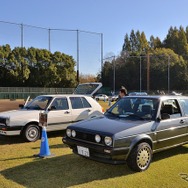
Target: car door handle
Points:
(88, 110)
(67, 112)
(182, 121)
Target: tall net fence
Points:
(154, 74)
(85, 47)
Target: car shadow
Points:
(63, 171)
(10, 140)
(170, 153)
(18, 139)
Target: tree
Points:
(36, 68)
(154, 43)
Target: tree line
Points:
(164, 63)
(34, 67)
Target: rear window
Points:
(79, 102)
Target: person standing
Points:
(122, 92)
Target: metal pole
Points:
(148, 72)
(101, 54)
(168, 74)
(140, 75)
(49, 39)
(114, 85)
(78, 56)
(22, 35)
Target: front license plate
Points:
(83, 151)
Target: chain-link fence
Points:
(13, 93)
(151, 73)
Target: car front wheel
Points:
(31, 133)
(140, 157)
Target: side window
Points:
(76, 102)
(171, 108)
(184, 105)
(85, 103)
(60, 104)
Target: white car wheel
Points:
(31, 133)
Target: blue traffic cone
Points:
(44, 146)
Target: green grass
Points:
(20, 169)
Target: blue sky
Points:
(113, 18)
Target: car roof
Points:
(64, 95)
(158, 96)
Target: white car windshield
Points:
(39, 103)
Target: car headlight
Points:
(108, 140)
(7, 121)
(68, 132)
(73, 133)
(97, 138)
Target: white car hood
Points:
(22, 116)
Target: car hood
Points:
(22, 113)
(112, 126)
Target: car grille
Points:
(2, 121)
(87, 137)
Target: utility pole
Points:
(148, 72)
(22, 35)
(168, 74)
(78, 57)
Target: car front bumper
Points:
(99, 153)
(10, 131)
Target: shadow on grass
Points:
(10, 140)
(18, 139)
(64, 171)
(170, 153)
(69, 170)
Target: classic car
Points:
(62, 110)
(132, 130)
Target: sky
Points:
(95, 20)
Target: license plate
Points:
(83, 151)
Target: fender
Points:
(139, 139)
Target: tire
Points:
(140, 157)
(31, 133)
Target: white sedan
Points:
(101, 97)
(62, 110)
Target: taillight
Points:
(102, 109)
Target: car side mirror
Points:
(165, 116)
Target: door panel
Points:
(59, 115)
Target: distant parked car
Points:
(132, 130)
(101, 97)
(62, 110)
(114, 98)
(175, 93)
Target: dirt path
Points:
(6, 105)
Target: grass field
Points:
(20, 169)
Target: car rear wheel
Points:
(140, 157)
(31, 133)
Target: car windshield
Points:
(39, 103)
(135, 107)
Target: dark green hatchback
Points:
(132, 130)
